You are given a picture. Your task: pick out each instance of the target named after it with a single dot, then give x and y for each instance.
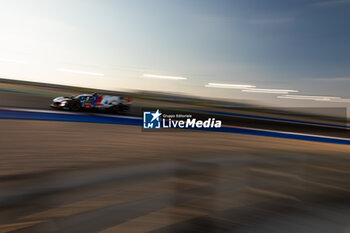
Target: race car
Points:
(115, 104)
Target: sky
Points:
(272, 44)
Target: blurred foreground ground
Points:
(82, 177)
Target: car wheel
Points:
(124, 108)
(74, 105)
(113, 109)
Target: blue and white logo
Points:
(151, 120)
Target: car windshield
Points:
(82, 97)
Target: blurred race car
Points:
(115, 104)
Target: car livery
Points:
(92, 101)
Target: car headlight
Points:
(63, 103)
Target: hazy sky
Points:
(296, 44)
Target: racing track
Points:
(30, 114)
(235, 123)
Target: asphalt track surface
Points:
(69, 176)
(27, 114)
(18, 100)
